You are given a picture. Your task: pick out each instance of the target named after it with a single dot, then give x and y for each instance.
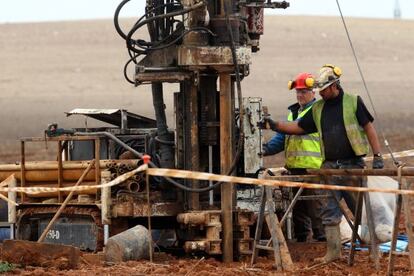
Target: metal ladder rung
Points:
(264, 247)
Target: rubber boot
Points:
(333, 244)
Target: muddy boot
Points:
(333, 244)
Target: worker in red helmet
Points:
(301, 152)
(347, 133)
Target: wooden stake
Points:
(68, 198)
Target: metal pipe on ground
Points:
(132, 244)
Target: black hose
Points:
(166, 152)
(134, 57)
(126, 68)
(130, 41)
(180, 37)
(116, 18)
(159, 140)
(146, 47)
(239, 91)
(119, 8)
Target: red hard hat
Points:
(302, 81)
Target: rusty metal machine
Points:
(205, 47)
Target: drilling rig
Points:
(205, 47)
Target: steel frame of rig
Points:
(206, 48)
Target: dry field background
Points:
(49, 68)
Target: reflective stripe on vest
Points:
(305, 137)
(355, 133)
(303, 151)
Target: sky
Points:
(12, 11)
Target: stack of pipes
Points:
(46, 174)
(134, 184)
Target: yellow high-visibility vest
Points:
(355, 133)
(303, 151)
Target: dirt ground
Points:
(302, 254)
(49, 68)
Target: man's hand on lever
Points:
(267, 123)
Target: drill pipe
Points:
(48, 175)
(132, 186)
(53, 165)
(91, 191)
(44, 171)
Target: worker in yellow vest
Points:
(345, 126)
(301, 152)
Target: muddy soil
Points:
(303, 255)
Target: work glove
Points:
(265, 151)
(378, 162)
(267, 123)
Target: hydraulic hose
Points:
(238, 81)
(119, 8)
(166, 151)
(129, 39)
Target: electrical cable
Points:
(365, 86)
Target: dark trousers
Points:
(306, 219)
(305, 214)
(328, 207)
